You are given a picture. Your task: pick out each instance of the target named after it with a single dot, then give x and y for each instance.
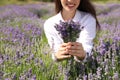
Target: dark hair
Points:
(85, 6)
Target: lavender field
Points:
(25, 54)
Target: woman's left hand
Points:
(76, 49)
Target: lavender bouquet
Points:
(69, 31)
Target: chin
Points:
(71, 10)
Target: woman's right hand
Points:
(62, 52)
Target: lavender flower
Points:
(69, 30)
(1, 59)
(1, 74)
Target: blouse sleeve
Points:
(50, 35)
(87, 35)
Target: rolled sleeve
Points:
(87, 35)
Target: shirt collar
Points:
(76, 17)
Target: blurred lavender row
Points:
(25, 54)
(10, 12)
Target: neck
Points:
(68, 15)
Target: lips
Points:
(70, 5)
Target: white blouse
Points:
(86, 36)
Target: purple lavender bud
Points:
(1, 59)
(29, 73)
(41, 62)
(14, 77)
(33, 77)
(18, 63)
(1, 74)
(31, 56)
(18, 54)
(22, 78)
(116, 76)
(8, 79)
(6, 57)
(36, 60)
(66, 74)
(102, 51)
(85, 77)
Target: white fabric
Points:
(86, 36)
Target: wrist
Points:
(82, 57)
(55, 58)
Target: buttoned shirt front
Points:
(85, 37)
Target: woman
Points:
(77, 10)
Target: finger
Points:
(63, 45)
(76, 43)
(62, 57)
(66, 56)
(72, 43)
(62, 48)
(74, 52)
(74, 47)
(77, 53)
(66, 52)
(63, 51)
